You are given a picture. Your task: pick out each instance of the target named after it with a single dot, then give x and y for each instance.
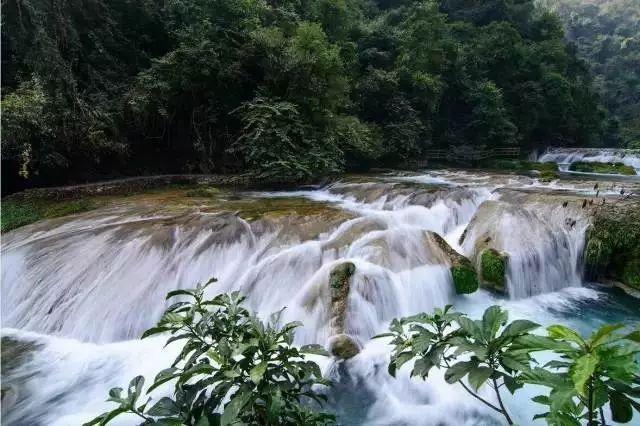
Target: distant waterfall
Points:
(565, 156)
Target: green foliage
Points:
(287, 91)
(613, 244)
(609, 168)
(278, 144)
(586, 375)
(232, 369)
(465, 278)
(607, 35)
(17, 213)
(591, 373)
(487, 351)
(494, 267)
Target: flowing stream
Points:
(77, 292)
(565, 156)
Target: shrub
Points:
(233, 369)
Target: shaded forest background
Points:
(293, 90)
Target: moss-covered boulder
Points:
(339, 284)
(493, 269)
(343, 346)
(604, 168)
(612, 251)
(465, 278)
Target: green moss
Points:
(605, 168)
(202, 192)
(548, 171)
(17, 213)
(465, 278)
(613, 244)
(493, 266)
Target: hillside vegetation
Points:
(607, 36)
(286, 90)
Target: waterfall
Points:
(80, 290)
(565, 156)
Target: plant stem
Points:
(473, 394)
(503, 409)
(602, 420)
(590, 402)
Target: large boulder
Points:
(465, 278)
(343, 346)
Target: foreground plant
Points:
(483, 351)
(233, 369)
(591, 373)
(588, 373)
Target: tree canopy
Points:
(286, 90)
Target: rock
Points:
(613, 244)
(464, 275)
(339, 283)
(493, 268)
(343, 346)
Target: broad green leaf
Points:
(479, 375)
(257, 372)
(170, 421)
(457, 371)
(582, 370)
(134, 389)
(155, 330)
(561, 332)
(180, 293)
(541, 399)
(600, 336)
(519, 327)
(493, 317)
(633, 336)
(274, 407)
(233, 407)
(165, 407)
(621, 410)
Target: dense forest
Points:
(607, 34)
(287, 90)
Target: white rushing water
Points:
(83, 289)
(565, 156)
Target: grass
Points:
(17, 213)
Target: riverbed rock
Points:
(339, 285)
(493, 269)
(613, 244)
(343, 346)
(465, 278)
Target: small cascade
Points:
(565, 156)
(543, 245)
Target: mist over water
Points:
(81, 290)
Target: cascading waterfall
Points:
(565, 156)
(79, 291)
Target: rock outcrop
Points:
(465, 278)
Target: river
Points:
(79, 291)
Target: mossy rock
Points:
(613, 244)
(493, 269)
(343, 346)
(339, 284)
(603, 168)
(465, 278)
